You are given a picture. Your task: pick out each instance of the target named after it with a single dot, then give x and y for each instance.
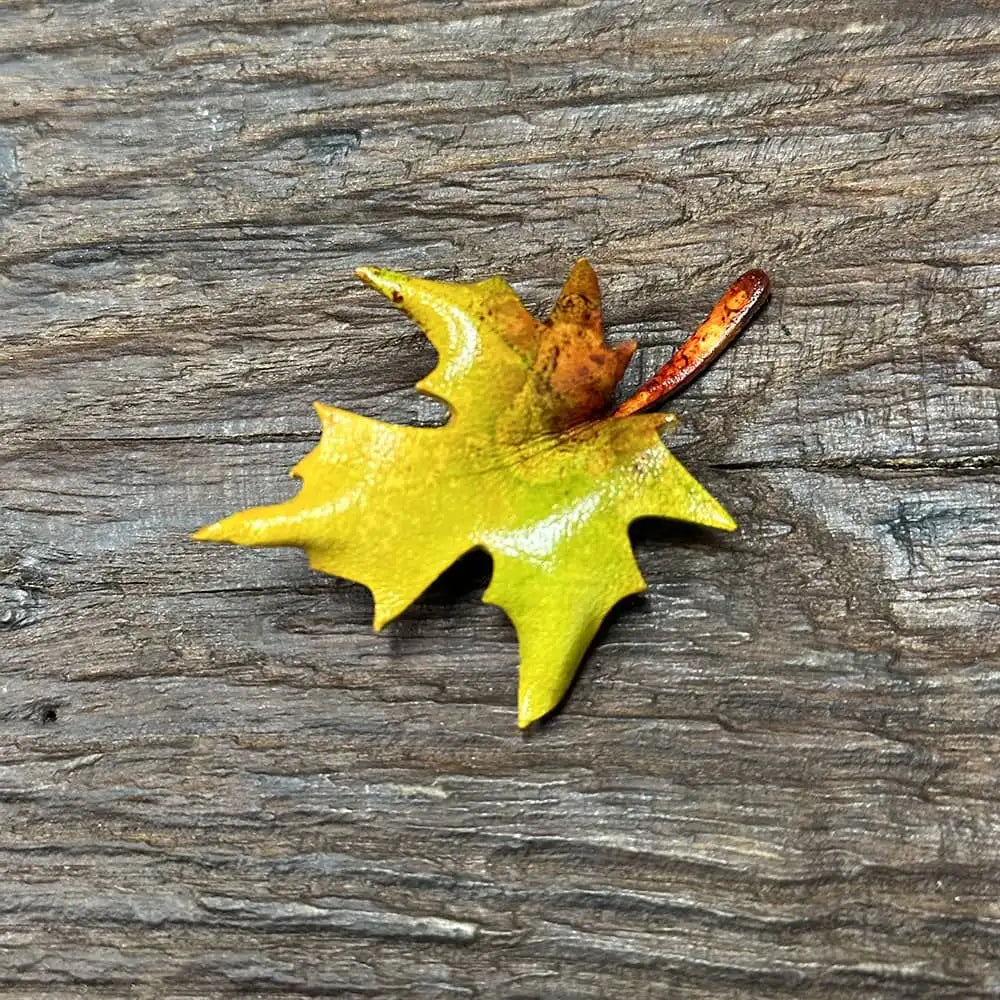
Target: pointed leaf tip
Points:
(226, 530)
(390, 283)
(529, 711)
(579, 301)
(208, 533)
(712, 514)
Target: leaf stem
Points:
(731, 314)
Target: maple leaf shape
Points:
(530, 467)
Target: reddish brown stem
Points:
(741, 302)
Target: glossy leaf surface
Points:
(530, 467)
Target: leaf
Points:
(529, 467)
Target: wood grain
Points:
(777, 775)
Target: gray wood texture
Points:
(778, 774)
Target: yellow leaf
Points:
(529, 467)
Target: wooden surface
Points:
(777, 775)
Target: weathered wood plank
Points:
(776, 774)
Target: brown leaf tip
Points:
(579, 302)
(580, 368)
